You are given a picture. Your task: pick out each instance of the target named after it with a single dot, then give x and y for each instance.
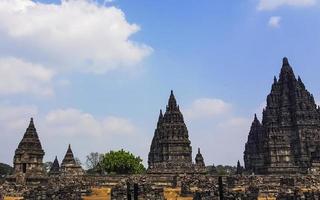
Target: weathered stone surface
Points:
(55, 168)
(69, 165)
(290, 130)
(171, 150)
(28, 158)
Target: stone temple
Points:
(69, 165)
(28, 158)
(55, 168)
(287, 141)
(171, 150)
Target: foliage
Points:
(5, 169)
(122, 162)
(226, 170)
(93, 160)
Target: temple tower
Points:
(55, 168)
(69, 165)
(170, 150)
(28, 158)
(290, 129)
(199, 159)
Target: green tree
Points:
(5, 169)
(226, 170)
(122, 162)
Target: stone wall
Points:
(151, 187)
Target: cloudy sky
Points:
(96, 73)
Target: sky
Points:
(94, 74)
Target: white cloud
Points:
(274, 4)
(274, 21)
(219, 125)
(19, 76)
(14, 118)
(75, 123)
(206, 107)
(76, 34)
(60, 127)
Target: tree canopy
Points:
(5, 169)
(122, 162)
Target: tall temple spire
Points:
(31, 124)
(69, 164)
(28, 156)
(170, 150)
(255, 118)
(286, 71)
(290, 110)
(199, 159)
(172, 103)
(30, 138)
(69, 157)
(55, 168)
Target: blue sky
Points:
(95, 74)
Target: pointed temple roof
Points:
(55, 168)
(287, 97)
(172, 103)
(160, 119)
(284, 141)
(239, 168)
(199, 158)
(173, 113)
(170, 145)
(68, 158)
(30, 140)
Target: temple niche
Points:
(28, 158)
(69, 166)
(288, 138)
(171, 150)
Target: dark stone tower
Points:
(28, 158)
(254, 151)
(55, 168)
(170, 150)
(69, 165)
(290, 129)
(199, 159)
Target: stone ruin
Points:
(69, 165)
(288, 138)
(28, 158)
(284, 149)
(170, 150)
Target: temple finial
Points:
(172, 104)
(31, 124)
(198, 150)
(285, 61)
(31, 121)
(160, 117)
(255, 117)
(275, 79)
